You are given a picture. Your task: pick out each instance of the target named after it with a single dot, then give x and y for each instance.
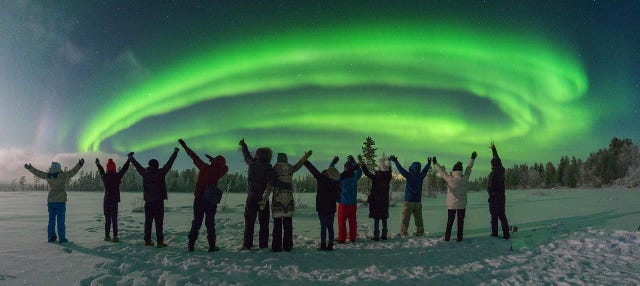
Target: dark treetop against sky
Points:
(423, 78)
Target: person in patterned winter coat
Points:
(378, 199)
(457, 188)
(111, 179)
(282, 203)
(57, 197)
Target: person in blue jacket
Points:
(412, 195)
(348, 200)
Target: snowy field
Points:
(565, 238)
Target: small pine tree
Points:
(369, 153)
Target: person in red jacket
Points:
(111, 180)
(208, 177)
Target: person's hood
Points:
(263, 154)
(332, 173)
(217, 161)
(153, 165)
(415, 168)
(55, 168)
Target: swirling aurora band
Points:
(390, 81)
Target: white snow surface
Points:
(565, 237)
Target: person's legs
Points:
(159, 218)
(196, 223)
(342, 223)
(276, 241)
(461, 214)
(287, 241)
(51, 228)
(451, 215)
(148, 218)
(353, 223)
(250, 215)
(330, 217)
(385, 230)
(376, 229)
(60, 220)
(210, 223)
(494, 216)
(417, 214)
(406, 218)
(107, 220)
(114, 219)
(263, 218)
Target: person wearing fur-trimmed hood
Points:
(57, 197)
(457, 188)
(282, 203)
(111, 179)
(378, 199)
(412, 204)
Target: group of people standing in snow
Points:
(336, 192)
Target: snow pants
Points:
(451, 217)
(282, 240)
(203, 210)
(497, 211)
(251, 211)
(154, 212)
(110, 218)
(326, 227)
(376, 227)
(347, 212)
(57, 213)
(412, 209)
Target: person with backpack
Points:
(457, 188)
(111, 179)
(328, 193)
(154, 188)
(207, 195)
(57, 197)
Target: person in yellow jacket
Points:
(57, 197)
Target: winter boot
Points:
(161, 244)
(376, 236)
(212, 245)
(384, 235)
(191, 245)
(148, 243)
(323, 246)
(53, 238)
(330, 246)
(107, 238)
(115, 239)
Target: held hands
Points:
(393, 158)
(429, 160)
(130, 155)
(350, 158)
(335, 160)
(474, 155)
(182, 143)
(241, 143)
(81, 162)
(435, 161)
(307, 155)
(28, 166)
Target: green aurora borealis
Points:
(411, 86)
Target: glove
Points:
(435, 161)
(492, 146)
(262, 204)
(28, 166)
(241, 143)
(176, 149)
(429, 160)
(393, 158)
(130, 155)
(97, 161)
(350, 158)
(81, 162)
(182, 142)
(335, 160)
(474, 155)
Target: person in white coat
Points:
(457, 188)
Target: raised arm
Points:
(423, 174)
(174, 155)
(35, 172)
(135, 163)
(402, 171)
(74, 170)
(100, 169)
(245, 152)
(300, 162)
(196, 159)
(440, 170)
(124, 169)
(312, 169)
(467, 170)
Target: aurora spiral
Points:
(412, 86)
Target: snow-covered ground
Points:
(565, 237)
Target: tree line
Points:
(617, 165)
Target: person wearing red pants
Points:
(348, 202)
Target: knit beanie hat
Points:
(111, 166)
(332, 173)
(457, 166)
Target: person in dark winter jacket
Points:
(57, 197)
(328, 193)
(282, 203)
(457, 188)
(378, 199)
(154, 188)
(111, 179)
(348, 200)
(495, 188)
(208, 177)
(260, 174)
(412, 195)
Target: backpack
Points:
(212, 194)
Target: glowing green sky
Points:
(408, 85)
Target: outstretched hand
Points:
(182, 143)
(81, 161)
(335, 160)
(176, 149)
(492, 146)
(130, 155)
(307, 154)
(350, 158)
(97, 161)
(28, 166)
(435, 161)
(393, 158)
(241, 143)
(474, 155)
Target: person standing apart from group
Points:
(154, 188)
(111, 179)
(57, 197)
(457, 188)
(208, 177)
(496, 188)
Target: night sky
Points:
(423, 78)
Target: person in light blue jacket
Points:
(348, 200)
(412, 195)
